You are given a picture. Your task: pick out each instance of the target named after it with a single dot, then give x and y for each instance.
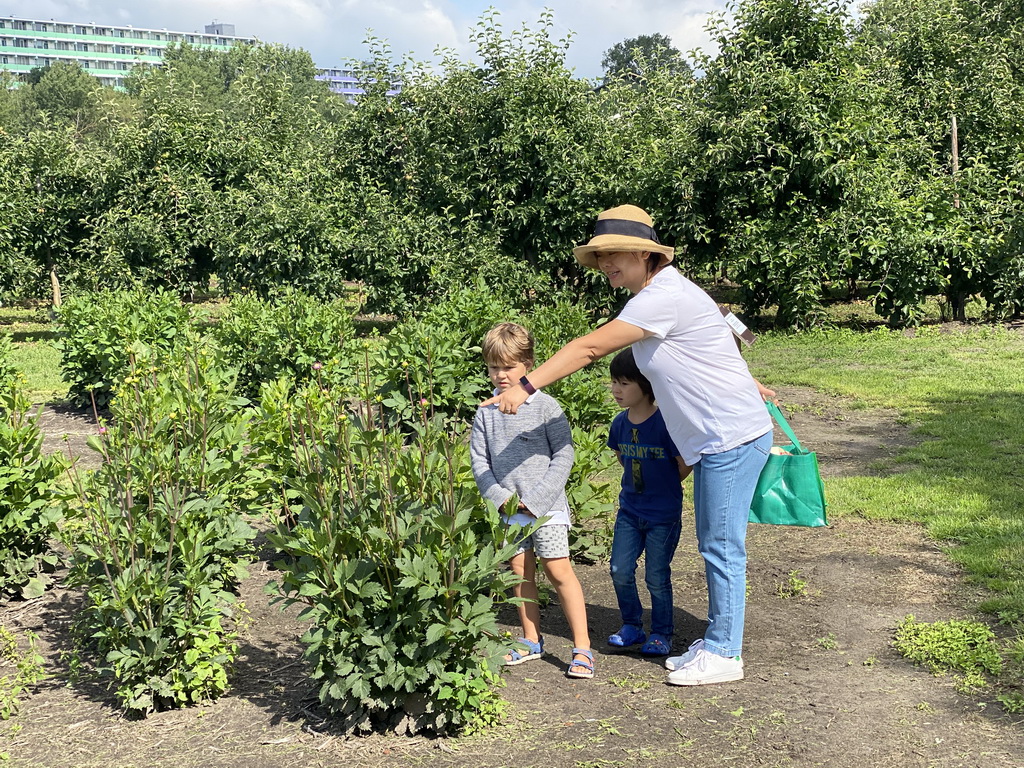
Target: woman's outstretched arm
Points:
(572, 357)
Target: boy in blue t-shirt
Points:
(650, 508)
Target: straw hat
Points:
(625, 228)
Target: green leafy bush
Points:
(101, 331)
(585, 396)
(29, 498)
(967, 647)
(287, 335)
(160, 543)
(394, 556)
(436, 356)
(592, 496)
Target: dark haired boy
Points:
(650, 509)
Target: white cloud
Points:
(333, 30)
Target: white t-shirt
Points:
(703, 387)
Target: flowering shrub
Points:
(101, 332)
(160, 543)
(285, 336)
(389, 547)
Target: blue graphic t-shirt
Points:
(650, 473)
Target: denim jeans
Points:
(723, 486)
(633, 537)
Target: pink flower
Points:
(317, 366)
(423, 402)
(103, 430)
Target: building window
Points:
(40, 27)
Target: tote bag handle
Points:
(776, 413)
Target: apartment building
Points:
(104, 51)
(109, 52)
(345, 83)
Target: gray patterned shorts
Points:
(549, 542)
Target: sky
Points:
(334, 30)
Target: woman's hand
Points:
(509, 400)
(766, 394)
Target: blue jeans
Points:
(633, 537)
(723, 486)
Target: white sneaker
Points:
(675, 662)
(707, 668)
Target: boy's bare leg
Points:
(570, 594)
(524, 565)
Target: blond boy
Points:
(529, 454)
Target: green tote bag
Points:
(789, 490)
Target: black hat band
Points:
(627, 228)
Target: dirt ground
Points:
(823, 685)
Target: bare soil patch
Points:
(823, 686)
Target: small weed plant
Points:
(828, 643)
(159, 542)
(30, 497)
(965, 647)
(397, 562)
(20, 669)
(1012, 694)
(7, 367)
(793, 586)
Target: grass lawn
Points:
(963, 392)
(33, 352)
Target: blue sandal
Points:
(656, 645)
(586, 666)
(524, 650)
(627, 636)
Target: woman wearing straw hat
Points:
(713, 407)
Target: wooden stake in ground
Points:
(956, 161)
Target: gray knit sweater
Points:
(528, 453)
